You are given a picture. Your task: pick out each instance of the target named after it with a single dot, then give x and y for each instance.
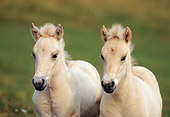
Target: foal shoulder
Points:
(143, 73)
(147, 76)
(84, 66)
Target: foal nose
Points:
(39, 83)
(108, 87)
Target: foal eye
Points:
(123, 58)
(54, 56)
(102, 57)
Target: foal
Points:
(129, 91)
(64, 88)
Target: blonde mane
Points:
(116, 31)
(49, 30)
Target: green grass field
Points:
(82, 21)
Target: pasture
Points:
(82, 21)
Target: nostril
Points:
(113, 83)
(32, 81)
(43, 81)
(102, 83)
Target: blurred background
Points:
(149, 21)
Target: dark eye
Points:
(102, 57)
(123, 58)
(54, 56)
(33, 55)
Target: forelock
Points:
(48, 30)
(116, 31)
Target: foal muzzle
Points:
(108, 87)
(39, 83)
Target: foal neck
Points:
(60, 73)
(125, 86)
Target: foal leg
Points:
(95, 111)
(75, 114)
(42, 105)
(42, 110)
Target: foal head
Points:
(45, 52)
(114, 54)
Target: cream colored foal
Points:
(63, 88)
(129, 91)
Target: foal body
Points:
(141, 99)
(78, 96)
(130, 91)
(64, 88)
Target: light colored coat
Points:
(72, 87)
(132, 91)
(79, 94)
(141, 103)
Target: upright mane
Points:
(116, 31)
(49, 30)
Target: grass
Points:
(82, 21)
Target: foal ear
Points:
(59, 32)
(35, 32)
(127, 34)
(104, 33)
